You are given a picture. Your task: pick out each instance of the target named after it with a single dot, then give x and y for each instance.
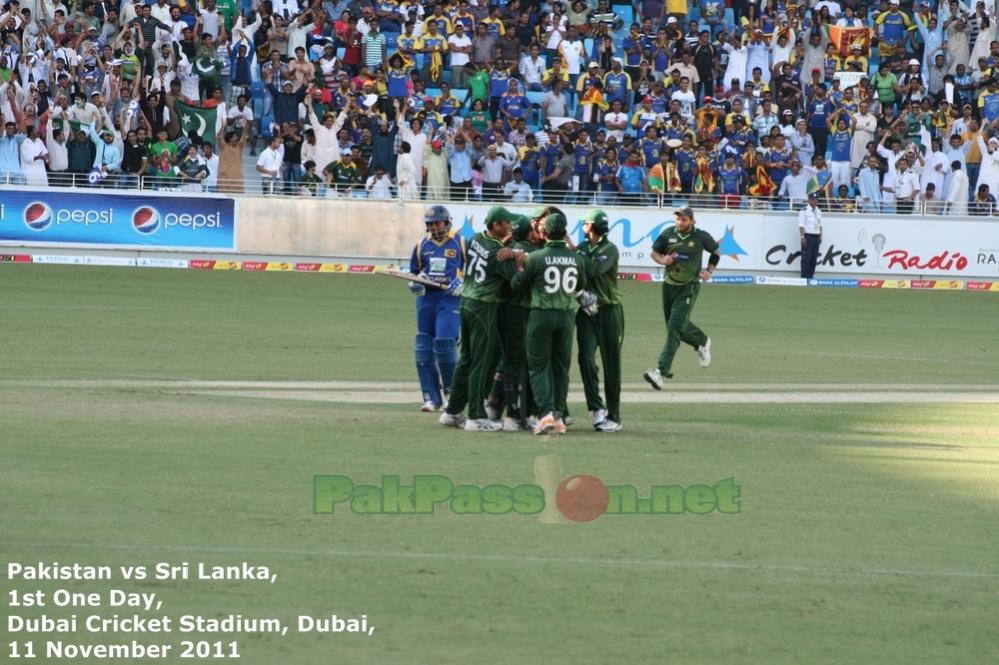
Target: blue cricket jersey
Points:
(441, 261)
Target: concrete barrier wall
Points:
(310, 227)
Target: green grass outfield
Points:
(868, 530)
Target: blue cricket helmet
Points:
(437, 213)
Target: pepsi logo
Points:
(146, 220)
(37, 216)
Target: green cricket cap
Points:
(599, 219)
(498, 214)
(555, 224)
(685, 211)
(521, 225)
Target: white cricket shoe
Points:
(607, 425)
(492, 412)
(567, 421)
(483, 425)
(598, 416)
(560, 426)
(704, 354)
(531, 423)
(511, 424)
(428, 407)
(546, 425)
(452, 420)
(654, 377)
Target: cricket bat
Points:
(410, 277)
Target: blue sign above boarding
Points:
(90, 217)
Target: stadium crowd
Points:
(880, 107)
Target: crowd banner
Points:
(103, 218)
(769, 241)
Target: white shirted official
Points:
(810, 220)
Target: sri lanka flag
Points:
(764, 183)
(845, 38)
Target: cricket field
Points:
(169, 417)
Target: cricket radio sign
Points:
(554, 499)
(99, 218)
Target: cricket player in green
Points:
(480, 347)
(554, 275)
(604, 330)
(511, 387)
(679, 248)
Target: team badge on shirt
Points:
(450, 253)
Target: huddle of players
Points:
(526, 293)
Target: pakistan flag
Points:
(202, 121)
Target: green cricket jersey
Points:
(602, 270)
(483, 278)
(687, 250)
(554, 275)
(519, 298)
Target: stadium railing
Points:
(260, 187)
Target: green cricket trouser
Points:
(549, 354)
(678, 303)
(514, 387)
(605, 331)
(479, 355)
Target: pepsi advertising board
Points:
(117, 220)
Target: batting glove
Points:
(455, 287)
(417, 289)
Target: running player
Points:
(679, 248)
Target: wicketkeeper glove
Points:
(588, 302)
(455, 287)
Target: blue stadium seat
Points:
(695, 12)
(627, 15)
(588, 47)
(534, 118)
(433, 92)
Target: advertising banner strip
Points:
(835, 283)
(781, 281)
(163, 263)
(367, 269)
(108, 219)
(769, 241)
